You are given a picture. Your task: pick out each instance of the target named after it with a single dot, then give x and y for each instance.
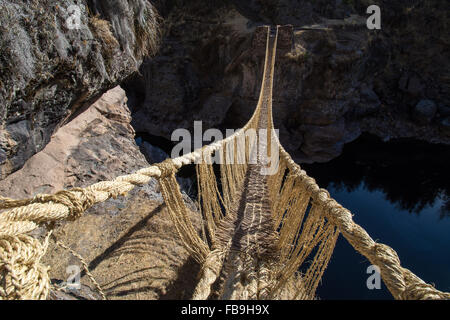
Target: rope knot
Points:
(79, 203)
(78, 200)
(167, 168)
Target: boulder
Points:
(323, 142)
(424, 111)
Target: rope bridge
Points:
(259, 229)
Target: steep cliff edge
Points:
(58, 57)
(97, 145)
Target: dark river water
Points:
(399, 192)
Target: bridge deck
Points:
(247, 234)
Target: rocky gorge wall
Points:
(339, 79)
(334, 79)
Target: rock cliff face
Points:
(97, 145)
(339, 79)
(56, 58)
(130, 243)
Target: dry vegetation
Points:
(102, 29)
(147, 31)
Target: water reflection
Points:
(420, 240)
(399, 192)
(412, 174)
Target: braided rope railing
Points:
(23, 276)
(401, 282)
